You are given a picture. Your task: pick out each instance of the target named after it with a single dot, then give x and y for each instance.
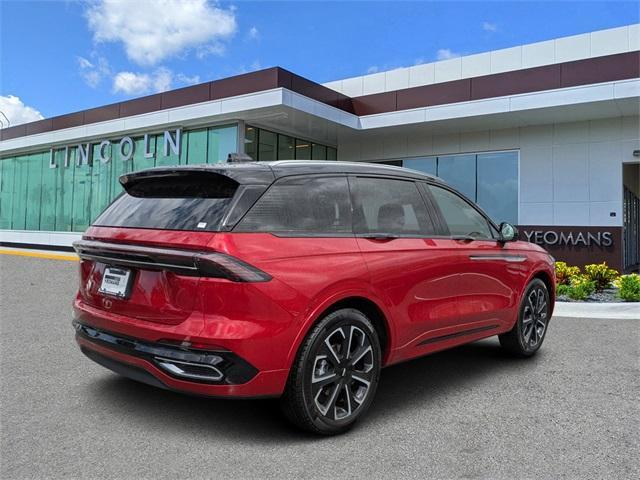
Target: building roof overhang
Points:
(595, 88)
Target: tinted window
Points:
(286, 147)
(460, 216)
(426, 165)
(489, 179)
(459, 171)
(302, 205)
(267, 145)
(173, 202)
(498, 185)
(303, 150)
(383, 205)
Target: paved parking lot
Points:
(571, 412)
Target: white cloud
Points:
(211, 49)
(161, 80)
(489, 27)
(152, 30)
(372, 69)
(93, 73)
(16, 111)
(131, 83)
(446, 54)
(254, 34)
(182, 78)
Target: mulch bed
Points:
(608, 295)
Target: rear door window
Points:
(190, 201)
(302, 205)
(389, 206)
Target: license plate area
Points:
(116, 282)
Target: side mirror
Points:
(508, 233)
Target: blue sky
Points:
(62, 56)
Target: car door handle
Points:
(379, 236)
(504, 258)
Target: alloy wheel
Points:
(535, 317)
(343, 370)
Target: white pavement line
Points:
(626, 310)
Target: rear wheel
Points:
(334, 378)
(527, 335)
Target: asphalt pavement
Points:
(471, 412)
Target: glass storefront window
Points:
(286, 147)
(267, 145)
(222, 141)
(318, 152)
(459, 171)
(498, 185)
(426, 165)
(196, 147)
(251, 142)
(303, 150)
(263, 146)
(68, 197)
(489, 179)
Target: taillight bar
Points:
(184, 262)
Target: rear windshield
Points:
(173, 202)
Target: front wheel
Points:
(527, 335)
(335, 375)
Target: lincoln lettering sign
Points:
(122, 149)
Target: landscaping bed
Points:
(597, 283)
(608, 295)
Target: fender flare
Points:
(314, 314)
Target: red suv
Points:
(299, 279)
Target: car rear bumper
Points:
(172, 367)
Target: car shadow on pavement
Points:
(410, 385)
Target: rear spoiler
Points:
(242, 173)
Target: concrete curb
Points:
(622, 310)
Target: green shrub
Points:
(601, 275)
(629, 286)
(562, 289)
(581, 287)
(564, 273)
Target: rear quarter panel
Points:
(309, 274)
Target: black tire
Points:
(529, 331)
(332, 381)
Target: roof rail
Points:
(239, 157)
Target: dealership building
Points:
(545, 136)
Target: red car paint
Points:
(427, 289)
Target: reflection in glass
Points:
(425, 165)
(286, 147)
(222, 142)
(489, 179)
(302, 204)
(459, 171)
(266, 146)
(251, 142)
(318, 152)
(498, 185)
(303, 150)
